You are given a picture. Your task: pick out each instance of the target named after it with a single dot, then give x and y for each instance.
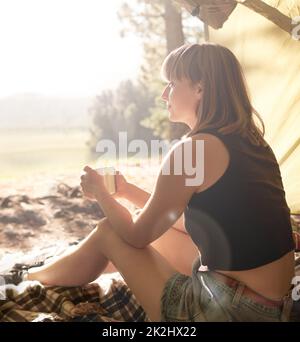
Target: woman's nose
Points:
(165, 94)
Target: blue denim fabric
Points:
(202, 298)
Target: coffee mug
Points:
(108, 174)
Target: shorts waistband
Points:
(247, 292)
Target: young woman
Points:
(236, 216)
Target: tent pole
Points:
(289, 152)
(206, 32)
(270, 13)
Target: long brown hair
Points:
(226, 105)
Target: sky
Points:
(64, 47)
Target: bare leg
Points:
(86, 262)
(145, 271)
(78, 266)
(178, 249)
(176, 246)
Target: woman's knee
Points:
(104, 230)
(103, 224)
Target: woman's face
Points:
(183, 99)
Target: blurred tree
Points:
(121, 110)
(162, 26)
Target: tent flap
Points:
(215, 12)
(259, 33)
(270, 58)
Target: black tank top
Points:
(242, 221)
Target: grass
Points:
(29, 151)
(25, 152)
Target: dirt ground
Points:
(46, 210)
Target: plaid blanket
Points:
(108, 300)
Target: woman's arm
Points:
(140, 197)
(170, 196)
(136, 195)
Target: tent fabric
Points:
(215, 12)
(270, 58)
(212, 12)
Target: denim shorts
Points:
(203, 298)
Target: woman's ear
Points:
(199, 89)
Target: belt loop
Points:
(238, 294)
(287, 308)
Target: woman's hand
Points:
(92, 183)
